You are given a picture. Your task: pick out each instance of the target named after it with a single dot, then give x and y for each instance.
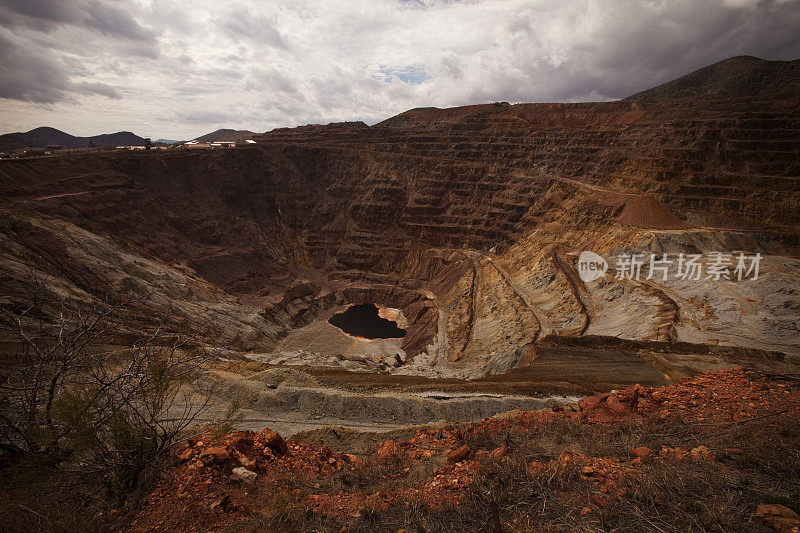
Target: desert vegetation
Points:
(82, 426)
(714, 453)
(507, 494)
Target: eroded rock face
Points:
(467, 220)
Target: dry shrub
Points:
(761, 466)
(80, 426)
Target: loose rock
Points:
(244, 475)
(459, 454)
(777, 517)
(271, 439)
(641, 452)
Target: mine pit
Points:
(365, 321)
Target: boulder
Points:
(777, 517)
(641, 452)
(214, 455)
(241, 441)
(568, 457)
(590, 404)
(185, 455)
(271, 439)
(387, 449)
(243, 460)
(500, 452)
(459, 454)
(673, 453)
(616, 405)
(244, 475)
(610, 406)
(350, 458)
(701, 453)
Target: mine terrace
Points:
(400, 305)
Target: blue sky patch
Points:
(412, 74)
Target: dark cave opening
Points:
(363, 321)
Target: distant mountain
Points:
(735, 77)
(225, 135)
(167, 141)
(44, 136)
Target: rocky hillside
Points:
(468, 220)
(465, 227)
(44, 136)
(628, 460)
(225, 134)
(737, 77)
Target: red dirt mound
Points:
(646, 212)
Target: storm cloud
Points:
(180, 68)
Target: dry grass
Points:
(757, 462)
(761, 466)
(37, 496)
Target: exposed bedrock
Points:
(466, 221)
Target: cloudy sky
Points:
(178, 69)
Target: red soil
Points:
(198, 493)
(646, 212)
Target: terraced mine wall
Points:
(465, 219)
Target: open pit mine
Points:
(349, 278)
